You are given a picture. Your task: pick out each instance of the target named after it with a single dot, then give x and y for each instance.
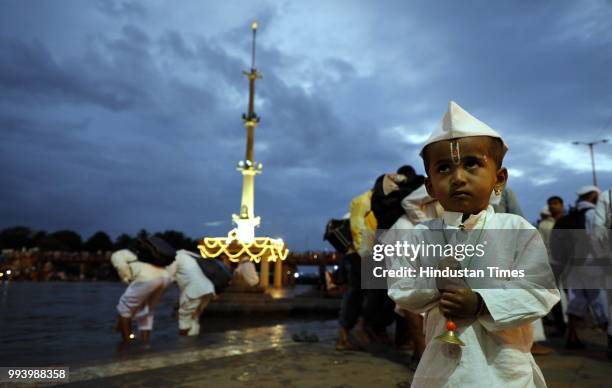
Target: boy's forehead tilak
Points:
(455, 152)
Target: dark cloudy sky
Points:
(121, 115)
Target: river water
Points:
(65, 323)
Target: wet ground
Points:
(61, 323)
(304, 365)
(272, 359)
(44, 324)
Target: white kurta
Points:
(147, 283)
(188, 275)
(497, 351)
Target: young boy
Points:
(463, 160)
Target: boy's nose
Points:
(458, 177)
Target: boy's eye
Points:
(443, 168)
(471, 163)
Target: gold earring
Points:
(497, 191)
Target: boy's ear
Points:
(429, 187)
(501, 177)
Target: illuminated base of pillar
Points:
(234, 249)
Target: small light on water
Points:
(335, 267)
(1, 274)
(8, 271)
(296, 275)
(131, 335)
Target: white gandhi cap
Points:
(458, 123)
(587, 189)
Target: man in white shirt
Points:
(147, 283)
(196, 291)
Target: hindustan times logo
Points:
(404, 249)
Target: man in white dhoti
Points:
(147, 283)
(463, 160)
(196, 291)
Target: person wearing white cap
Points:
(582, 278)
(463, 160)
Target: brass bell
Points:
(450, 337)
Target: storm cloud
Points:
(122, 115)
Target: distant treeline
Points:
(21, 237)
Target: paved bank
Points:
(304, 365)
(267, 357)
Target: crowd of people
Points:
(466, 189)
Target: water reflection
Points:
(73, 323)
